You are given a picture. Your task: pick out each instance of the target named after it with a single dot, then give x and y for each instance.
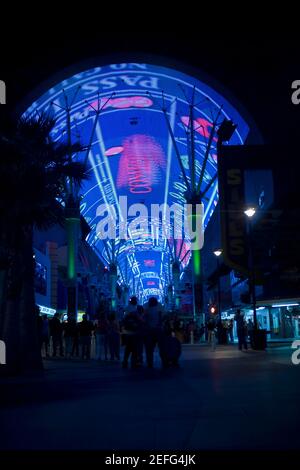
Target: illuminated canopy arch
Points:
(117, 109)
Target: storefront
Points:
(280, 319)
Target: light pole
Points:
(250, 212)
(218, 253)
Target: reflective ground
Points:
(217, 400)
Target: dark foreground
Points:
(217, 400)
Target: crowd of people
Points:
(72, 339)
(145, 328)
(140, 331)
(222, 331)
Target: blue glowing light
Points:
(131, 151)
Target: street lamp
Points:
(250, 212)
(218, 253)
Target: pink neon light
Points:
(184, 249)
(149, 263)
(201, 125)
(113, 151)
(124, 102)
(140, 164)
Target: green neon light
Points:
(197, 262)
(72, 233)
(196, 256)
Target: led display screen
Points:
(40, 279)
(131, 151)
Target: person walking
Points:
(191, 328)
(141, 334)
(75, 342)
(113, 336)
(230, 330)
(45, 335)
(212, 333)
(130, 334)
(240, 327)
(56, 334)
(85, 332)
(153, 325)
(101, 336)
(70, 331)
(201, 333)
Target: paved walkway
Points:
(217, 400)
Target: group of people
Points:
(143, 329)
(140, 331)
(244, 330)
(68, 337)
(72, 339)
(215, 330)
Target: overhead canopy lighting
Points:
(117, 110)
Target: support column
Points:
(73, 233)
(176, 279)
(113, 285)
(195, 220)
(52, 253)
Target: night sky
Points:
(257, 69)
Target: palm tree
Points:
(35, 174)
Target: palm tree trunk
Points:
(10, 321)
(19, 323)
(29, 339)
(4, 265)
(2, 297)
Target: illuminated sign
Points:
(149, 263)
(118, 109)
(47, 310)
(40, 278)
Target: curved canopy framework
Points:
(136, 120)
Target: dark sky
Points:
(257, 70)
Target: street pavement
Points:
(216, 400)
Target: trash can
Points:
(260, 340)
